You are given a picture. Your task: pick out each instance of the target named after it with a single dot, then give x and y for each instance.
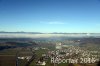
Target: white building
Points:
(58, 46)
(25, 57)
(41, 63)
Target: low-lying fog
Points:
(29, 35)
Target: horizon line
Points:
(44, 32)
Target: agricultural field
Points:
(7, 60)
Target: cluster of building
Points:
(75, 52)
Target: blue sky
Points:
(68, 16)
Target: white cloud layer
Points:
(15, 35)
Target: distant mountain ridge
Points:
(47, 33)
(23, 32)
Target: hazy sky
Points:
(50, 15)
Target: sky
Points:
(68, 16)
